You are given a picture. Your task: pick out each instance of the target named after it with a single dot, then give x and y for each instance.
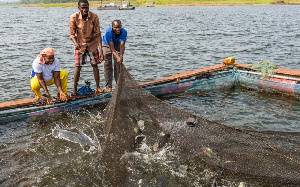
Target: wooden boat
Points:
(150, 4)
(202, 80)
(126, 6)
(112, 6)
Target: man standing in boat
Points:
(86, 35)
(113, 46)
(45, 72)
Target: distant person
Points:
(45, 72)
(113, 46)
(86, 36)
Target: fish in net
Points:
(133, 113)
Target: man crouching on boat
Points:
(45, 72)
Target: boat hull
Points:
(128, 8)
(115, 8)
(203, 80)
(108, 8)
(284, 81)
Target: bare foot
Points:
(99, 90)
(108, 90)
(73, 94)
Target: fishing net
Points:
(266, 68)
(134, 115)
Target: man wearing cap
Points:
(45, 72)
(86, 36)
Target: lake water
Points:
(161, 41)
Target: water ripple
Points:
(169, 39)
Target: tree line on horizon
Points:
(45, 1)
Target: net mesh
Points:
(273, 156)
(266, 67)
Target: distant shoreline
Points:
(143, 3)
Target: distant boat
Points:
(126, 6)
(112, 6)
(150, 4)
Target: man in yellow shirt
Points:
(86, 35)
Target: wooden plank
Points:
(184, 75)
(17, 103)
(175, 77)
(27, 102)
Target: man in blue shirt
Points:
(113, 47)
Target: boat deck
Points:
(176, 80)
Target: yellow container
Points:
(229, 61)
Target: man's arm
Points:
(115, 53)
(99, 38)
(99, 41)
(122, 48)
(122, 43)
(77, 46)
(56, 76)
(73, 29)
(43, 85)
